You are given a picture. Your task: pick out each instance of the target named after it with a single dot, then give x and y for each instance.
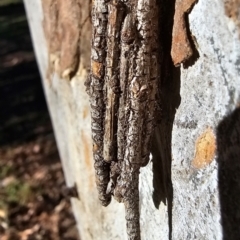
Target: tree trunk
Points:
(190, 189)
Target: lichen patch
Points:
(97, 69)
(205, 148)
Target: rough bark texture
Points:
(123, 98)
(205, 181)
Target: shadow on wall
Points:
(169, 101)
(228, 144)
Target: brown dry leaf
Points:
(24, 235)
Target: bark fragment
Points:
(63, 22)
(123, 93)
(115, 18)
(181, 47)
(96, 93)
(232, 10)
